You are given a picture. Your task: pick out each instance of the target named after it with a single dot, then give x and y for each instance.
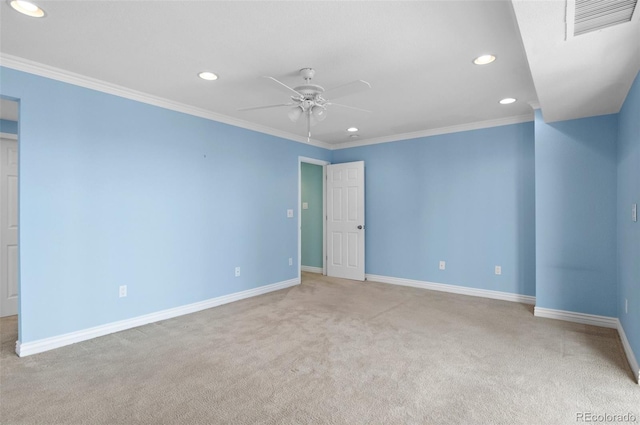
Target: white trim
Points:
(534, 104)
(324, 164)
(47, 71)
(31, 67)
(9, 136)
(313, 161)
(311, 269)
(595, 320)
(631, 358)
(570, 15)
(39, 346)
(571, 316)
(454, 289)
(438, 131)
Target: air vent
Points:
(593, 15)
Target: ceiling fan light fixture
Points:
(484, 59)
(27, 8)
(507, 100)
(207, 75)
(294, 113)
(319, 112)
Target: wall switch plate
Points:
(237, 271)
(305, 205)
(498, 270)
(634, 212)
(289, 213)
(291, 261)
(442, 265)
(122, 291)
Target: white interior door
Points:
(345, 220)
(9, 230)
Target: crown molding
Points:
(42, 70)
(36, 68)
(534, 104)
(439, 131)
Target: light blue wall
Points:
(169, 204)
(576, 215)
(629, 231)
(7, 126)
(466, 198)
(163, 202)
(311, 217)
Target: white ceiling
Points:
(581, 76)
(417, 56)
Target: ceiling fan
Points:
(311, 100)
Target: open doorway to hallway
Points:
(8, 207)
(311, 237)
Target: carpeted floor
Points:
(329, 351)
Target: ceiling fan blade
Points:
(347, 106)
(346, 89)
(281, 84)
(268, 106)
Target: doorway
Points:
(8, 207)
(342, 193)
(312, 210)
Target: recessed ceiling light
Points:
(484, 59)
(27, 8)
(352, 129)
(210, 76)
(507, 100)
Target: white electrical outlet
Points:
(237, 271)
(498, 270)
(634, 212)
(289, 213)
(291, 261)
(626, 306)
(442, 265)
(305, 206)
(122, 291)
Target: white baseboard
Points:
(311, 269)
(631, 358)
(46, 344)
(592, 319)
(570, 316)
(454, 289)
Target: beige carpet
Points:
(328, 351)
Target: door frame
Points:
(11, 136)
(324, 164)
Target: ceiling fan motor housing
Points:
(310, 92)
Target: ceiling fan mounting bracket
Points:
(309, 91)
(307, 73)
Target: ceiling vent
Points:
(593, 15)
